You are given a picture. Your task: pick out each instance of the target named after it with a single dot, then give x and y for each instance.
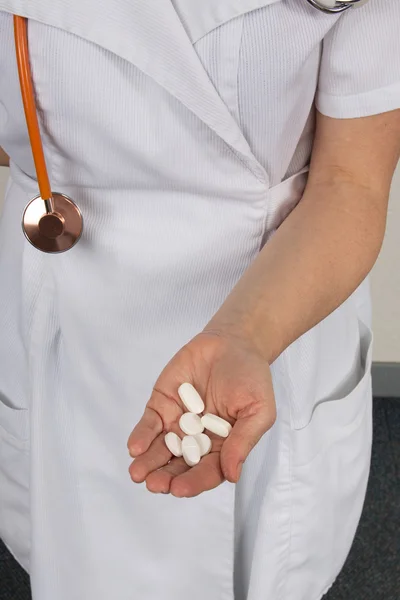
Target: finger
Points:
(205, 476)
(245, 434)
(145, 432)
(154, 458)
(159, 482)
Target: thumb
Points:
(245, 434)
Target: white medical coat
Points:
(183, 130)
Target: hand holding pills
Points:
(209, 408)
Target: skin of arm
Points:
(4, 160)
(327, 245)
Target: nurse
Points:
(232, 163)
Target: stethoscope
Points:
(52, 222)
(335, 6)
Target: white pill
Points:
(216, 425)
(204, 442)
(191, 450)
(173, 443)
(191, 424)
(191, 398)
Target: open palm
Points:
(235, 383)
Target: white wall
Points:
(386, 285)
(385, 281)
(3, 181)
(3, 178)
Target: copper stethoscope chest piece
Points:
(52, 226)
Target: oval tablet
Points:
(191, 424)
(204, 442)
(191, 398)
(173, 443)
(191, 450)
(216, 425)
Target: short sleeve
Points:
(360, 64)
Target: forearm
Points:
(312, 264)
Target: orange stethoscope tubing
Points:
(28, 98)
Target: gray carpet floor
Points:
(372, 571)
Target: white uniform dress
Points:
(183, 130)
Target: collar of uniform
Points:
(156, 36)
(199, 17)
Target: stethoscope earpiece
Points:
(52, 226)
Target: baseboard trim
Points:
(386, 380)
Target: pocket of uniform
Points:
(337, 415)
(14, 423)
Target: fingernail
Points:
(179, 493)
